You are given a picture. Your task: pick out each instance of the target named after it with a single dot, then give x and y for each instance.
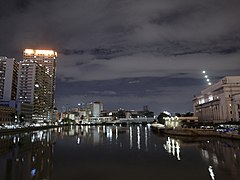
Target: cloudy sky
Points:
(128, 53)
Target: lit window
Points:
(210, 98)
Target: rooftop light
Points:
(40, 52)
(29, 51)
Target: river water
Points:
(113, 152)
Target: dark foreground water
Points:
(110, 152)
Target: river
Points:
(113, 152)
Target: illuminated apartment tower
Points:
(8, 78)
(46, 58)
(33, 88)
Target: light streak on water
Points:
(146, 139)
(138, 138)
(116, 134)
(210, 169)
(130, 137)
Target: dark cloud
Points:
(127, 52)
(71, 52)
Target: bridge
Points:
(135, 120)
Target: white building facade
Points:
(8, 78)
(219, 102)
(95, 109)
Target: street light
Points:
(206, 77)
(79, 106)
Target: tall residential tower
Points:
(34, 88)
(8, 78)
(37, 82)
(47, 59)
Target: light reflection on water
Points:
(134, 150)
(172, 146)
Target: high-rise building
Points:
(34, 85)
(96, 108)
(219, 102)
(8, 78)
(46, 58)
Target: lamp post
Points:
(79, 106)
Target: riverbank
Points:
(28, 129)
(193, 132)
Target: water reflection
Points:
(97, 135)
(27, 156)
(130, 137)
(138, 138)
(172, 146)
(220, 154)
(34, 155)
(210, 169)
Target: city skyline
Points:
(128, 54)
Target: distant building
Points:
(130, 114)
(95, 109)
(145, 108)
(219, 102)
(8, 78)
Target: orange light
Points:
(29, 51)
(44, 52)
(38, 52)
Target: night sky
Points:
(128, 53)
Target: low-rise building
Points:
(174, 122)
(23, 110)
(7, 115)
(219, 102)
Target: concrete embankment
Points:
(195, 132)
(29, 129)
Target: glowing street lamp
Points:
(206, 77)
